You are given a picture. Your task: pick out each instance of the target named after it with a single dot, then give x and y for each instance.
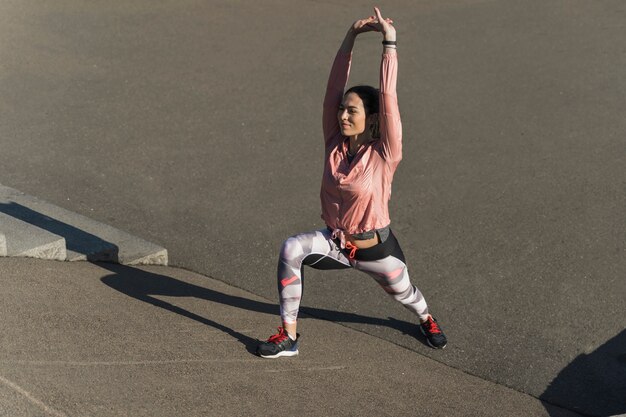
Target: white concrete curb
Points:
(3, 245)
(35, 228)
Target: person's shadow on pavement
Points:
(144, 286)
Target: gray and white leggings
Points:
(383, 262)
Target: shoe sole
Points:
(279, 354)
(430, 344)
(436, 347)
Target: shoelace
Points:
(432, 326)
(278, 337)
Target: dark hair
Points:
(369, 95)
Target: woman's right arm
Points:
(339, 77)
(337, 81)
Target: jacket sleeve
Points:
(334, 94)
(389, 113)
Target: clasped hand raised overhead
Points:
(375, 23)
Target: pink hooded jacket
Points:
(355, 195)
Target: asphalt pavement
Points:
(85, 339)
(196, 126)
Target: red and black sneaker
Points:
(434, 335)
(278, 345)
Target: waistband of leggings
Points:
(376, 252)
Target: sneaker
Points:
(434, 335)
(278, 345)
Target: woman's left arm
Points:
(389, 112)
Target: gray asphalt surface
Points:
(81, 339)
(197, 126)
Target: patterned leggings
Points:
(383, 262)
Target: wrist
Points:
(389, 36)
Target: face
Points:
(351, 115)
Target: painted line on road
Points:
(168, 362)
(30, 398)
(319, 368)
(124, 363)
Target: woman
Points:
(363, 147)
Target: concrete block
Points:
(85, 239)
(25, 240)
(3, 245)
